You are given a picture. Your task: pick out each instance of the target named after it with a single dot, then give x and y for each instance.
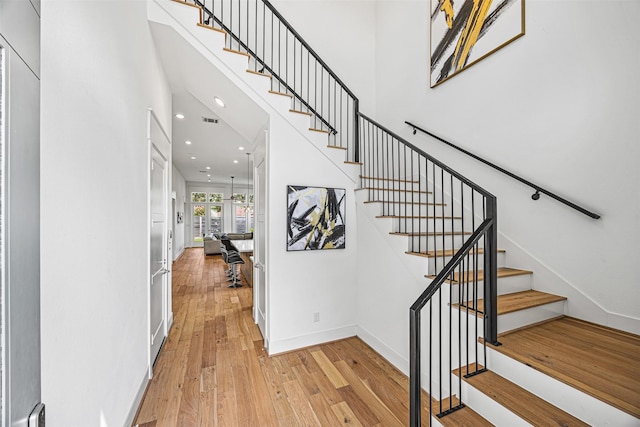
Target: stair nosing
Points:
(257, 73)
(448, 252)
(237, 52)
(208, 27)
(390, 179)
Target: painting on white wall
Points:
(315, 218)
(465, 31)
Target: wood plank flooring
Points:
(609, 360)
(213, 370)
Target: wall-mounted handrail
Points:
(538, 189)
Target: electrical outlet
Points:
(316, 317)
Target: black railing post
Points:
(491, 274)
(415, 387)
(356, 130)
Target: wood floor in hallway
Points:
(214, 371)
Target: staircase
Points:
(534, 366)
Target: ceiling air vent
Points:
(209, 120)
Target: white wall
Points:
(341, 32)
(300, 284)
(557, 106)
(179, 186)
(99, 76)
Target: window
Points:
(199, 197)
(216, 197)
(243, 213)
(208, 214)
(198, 222)
(215, 218)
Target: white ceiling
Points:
(194, 83)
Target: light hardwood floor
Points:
(213, 370)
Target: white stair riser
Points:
(379, 183)
(470, 265)
(416, 243)
(376, 194)
(506, 285)
(518, 319)
(407, 210)
(488, 408)
(581, 405)
(214, 40)
(261, 84)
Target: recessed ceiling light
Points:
(188, 142)
(179, 116)
(208, 168)
(240, 148)
(209, 175)
(235, 161)
(193, 157)
(219, 101)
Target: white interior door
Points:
(20, 379)
(158, 253)
(259, 252)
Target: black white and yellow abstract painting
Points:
(315, 218)
(465, 31)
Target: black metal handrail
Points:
(276, 49)
(438, 208)
(538, 189)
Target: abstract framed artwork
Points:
(465, 31)
(315, 218)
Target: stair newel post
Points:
(491, 274)
(415, 387)
(356, 130)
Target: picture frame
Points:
(463, 32)
(315, 218)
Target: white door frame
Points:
(159, 141)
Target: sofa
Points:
(212, 241)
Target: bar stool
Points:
(231, 256)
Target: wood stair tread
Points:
(430, 233)
(237, 52)
(417, 217)
(408, 202)
(353, 163)
(336, 147)
(462, 417)
(600, 361)
(208, 27)
(396, 190)
(258, 73)
(306, 113)
(390, 179)
(318, 130)
(448, 252)
(273, 92)
(468, 276)
(521, 402)
(509, 303)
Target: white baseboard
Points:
(385, 351)
(289, 344)
(133, 411)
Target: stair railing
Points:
(453, 222)
(255, 27)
